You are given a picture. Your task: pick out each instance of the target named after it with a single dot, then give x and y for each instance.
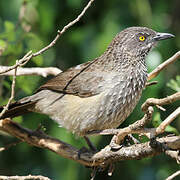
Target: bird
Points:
(98, 94)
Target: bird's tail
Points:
(17, 108)
(25, 105)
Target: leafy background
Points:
(20, 33)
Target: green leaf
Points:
(171, 130)
(27, 83)
(13, 49)
(18, 119)
(33, 41)
(9, 26)
(7, 84)
(38, 60)
(74, 3)
(9, 30)
(156, 120)
(174, 84)
(2, 44)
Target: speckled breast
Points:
(121, 99)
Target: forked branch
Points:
(30, 55)
(31, 71)
(101, 158)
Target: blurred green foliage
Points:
(31, 24)
(174, 84)
(157, 121)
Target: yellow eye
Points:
(142, 38)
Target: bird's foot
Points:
(114, 146)
(157, 145)
(128, 140)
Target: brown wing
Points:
(80, 80)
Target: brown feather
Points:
(17, 109)
(67, 82)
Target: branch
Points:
(9, 146)
(101, 158)
(29, 177)
(12, 94)
(30, 55)
(167, 121)
(138, 126)
(173, 175)
(64, 29)
(39, 139)
(105, 156)
(31, 71)
(173, 154)
(156, 71)
(20, 62)
(160, 102)
(119, 134)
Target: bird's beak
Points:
(162, 36)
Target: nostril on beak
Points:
(162, 36)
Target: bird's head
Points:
(138, 41)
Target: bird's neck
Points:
(119, 61)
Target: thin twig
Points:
(12, 94)
(160, 102)
(29, 177)
(156, 71)
(160, 107)
(102, 158)
(29, 55)
(173, 154)
(138, 126)
(137, 151)
(151, 83)
(20, 62)
(173, 175)
(64, 29)
(31, 71)
(167, 121)
(111, 169)
(9, 146)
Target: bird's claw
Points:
(114, 146)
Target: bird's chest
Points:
(121, 98)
